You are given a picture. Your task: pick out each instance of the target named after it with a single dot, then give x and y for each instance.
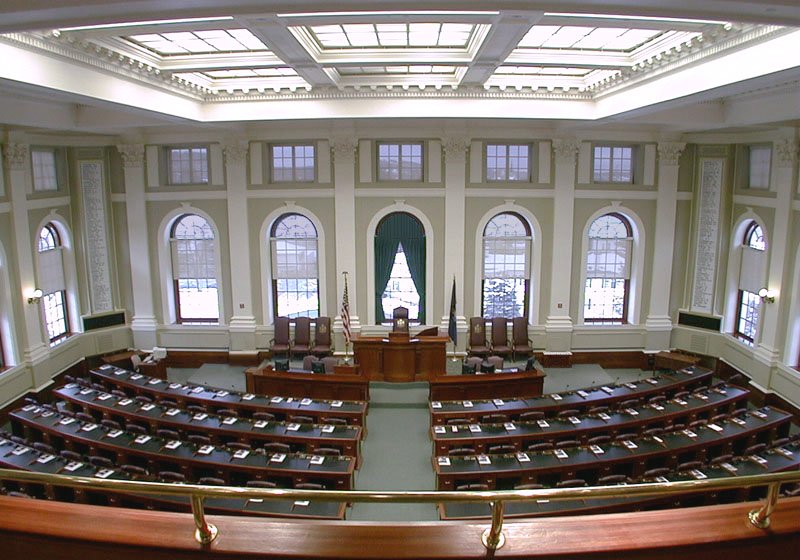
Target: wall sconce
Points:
(767, 295)
(34, 295)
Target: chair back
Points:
(519, 331)
(499, 331)
(330, 363)
(477, 331)
(495, 361)
(302, 330)
(400, 319)
(282, 330)
(308, 362)
(322, 335)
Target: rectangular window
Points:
(508, 162)
(45, 176)
(760, 157)
(747, 321)
(400, 162)
(613, 164)
(188, 165)
(55, 315)
(605, 300)
(293, 164)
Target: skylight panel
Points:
(599, 38)
(566, 37)
(537, 35)
(361, 35)
(541, 71)
(632, 38)
(199, 42)
(393, 35)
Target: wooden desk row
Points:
(629, 458)
(190, 459)
(346, 383)
(666, 384)
(354, 412)
(501, 384)
(25, 458)
(521, 434)
(785, 458)
(302, 437)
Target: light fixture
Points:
(34, 295)
(767, 295)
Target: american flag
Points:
(346, 313)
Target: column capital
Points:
(236, 152)
(15, 154)
(344, 148)
(455, 146)
(786, 151)
(566, 149)
(132, 154)
(670, 152)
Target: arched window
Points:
(52, 283)
(400, 267)
(295, 268)
(751, 280)
(506, 266)
(608, 270)
(194, 270)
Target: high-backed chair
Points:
(322, 337)
(308, 362)
(520, 343)
(400, 319)
(280, 342)
(477, 337)
(500, 344)
(302, 336)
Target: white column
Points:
(35, 347)
(773, 315)
(143, 323)
(455, 184)
(242, 326)
(343, 150)
(659, 324)
(558, 327)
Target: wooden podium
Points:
(401, 358)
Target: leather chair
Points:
(168, 434)
(170, 476)
(611, 479)
(261, 484)
(309, 361)
(301, 419)
(520, 343)
(333, 421)
(277, 447)
(501, 449)
(461, 451)
(211, 481)
(328, 451)
(531, 416)
(302, 337)
(494, 419)
(544, 446)
(322, 337)
(500, 345)
(280, 342)
(493, 363)
(400, 319)
(135, 471)
(330, 363)
(471, 365)
(571, 483)
(476, 487)
(477, 337)
(268, 416)
(309, 486)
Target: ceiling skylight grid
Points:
(392, 35)
(591, 38)
(199, 42)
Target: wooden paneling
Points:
(193, 359)
(487, 386)
(334, 386)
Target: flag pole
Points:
(345, 313)
(452, 328)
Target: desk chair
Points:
(71, 455)
(567, 412)
(199, 440)
(500, 344)
(655, 473)
(688, 466)
(136, 361)
(461, 452)
(211, 481)
(531, 416)
(261, 484)
(333, 421)
(101, 462)
(268, 416)
(136, 429)
(494, 419)
(477, 487)
(571, 483)
(228, 413)
(280, 342)
(302, 337)
(598, 440)
(471, 365)
(567, 443)
(164, 433)
(493, 363)
(330, 363)
(44, 447)
(83, 417)
(135, 471)
(501, 449)
(237, 446)
(612, 479)
(457, 421)
(328, 451)
(529, 486)
(544, 446)
(277, 447)
(309, 361)
(171, 476)
(400, 319)
(520, 342)
(477, 337)
(300, 419)
(322, 337)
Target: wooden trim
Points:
(42, 529)
(757, 397)
(195, 359)
(46, 394)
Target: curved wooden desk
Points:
(400, 358)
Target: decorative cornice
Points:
(786, 151)
(15, 155)
(566, 149)
(670, 152)
(132, 154)
(235, 152)
(455, 146)
(344, 148)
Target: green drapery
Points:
(394, 229)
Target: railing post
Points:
(493, 537)
(205, 532)
(760, 517)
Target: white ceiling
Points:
(113, 66)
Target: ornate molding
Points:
(670, 152)
(566, 149)
(236, 152)
(455, 146)
(15, 155)
(132, 154)
(344, 148)
(786, 151)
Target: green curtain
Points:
(394, 229)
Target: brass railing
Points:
(492, 537)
